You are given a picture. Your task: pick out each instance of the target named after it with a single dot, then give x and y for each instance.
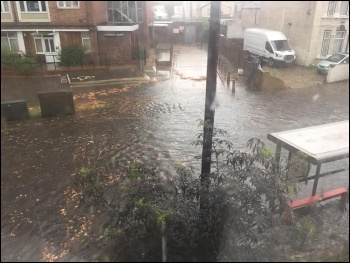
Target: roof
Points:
(252, 5)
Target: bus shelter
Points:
(318, 145)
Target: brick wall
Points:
(99, 12)
(68, 17)
(68, 38)
(58, 17)
(142, 32)
(117, 49)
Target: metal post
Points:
(314, 188)
(228, 79)
(233, 86)
(277, 159)
(142, 67)
(54, 62)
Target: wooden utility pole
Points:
(213, 42)
(205, 250)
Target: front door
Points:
(190, 34)
(49, 46)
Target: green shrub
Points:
(71, 55)
(14, 61)
(27, 65)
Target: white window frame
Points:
(347, 12)
(6, 12)
(85, 38)
(126, 17)
(334, 8)
(33, 12)
(8, 40)
(323, 42)
(3, 7)
(341, 39)
(42, 39)
(238, 7)
(208, 11)
(67, 7)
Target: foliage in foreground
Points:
(147, 211)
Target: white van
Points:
(271, 45)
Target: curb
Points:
(145, 78)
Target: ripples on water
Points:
(178, 104)
(155, 123)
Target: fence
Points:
(233, 52)
(19, 62)
(43, 62)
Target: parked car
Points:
(335, 59)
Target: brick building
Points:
(110, 29)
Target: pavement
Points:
(189, 62)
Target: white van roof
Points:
(271, 34)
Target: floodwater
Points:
(150, 122)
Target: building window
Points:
(268, 47)
(44, 44)
(5, 7)
(124, 11)
(68, 4)
(85, 36)
(238, 6)
(338, 41)
(331, 8)
(33, 6)
(208, 11)
(9, 41)
(344, 8)
(325, 43)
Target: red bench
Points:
(344, 193)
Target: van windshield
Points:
(281, 45)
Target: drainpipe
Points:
(256, 10)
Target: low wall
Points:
(232, 56)
(263, 81)
(338, 73)
(50, 72)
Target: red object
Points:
(288, 215)
(304, 202)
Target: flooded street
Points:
(150, 122)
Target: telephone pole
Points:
(209, 112)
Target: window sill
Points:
(65, 8)
(34, 12)
(335, 17)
